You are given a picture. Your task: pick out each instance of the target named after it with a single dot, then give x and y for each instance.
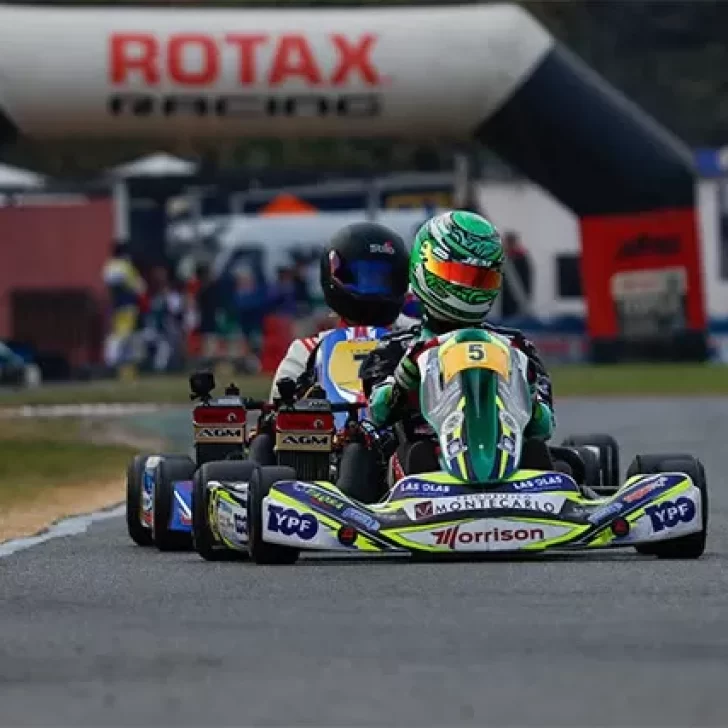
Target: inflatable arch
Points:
(485, 71)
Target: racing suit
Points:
(390, 383)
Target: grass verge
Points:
(578, 380)
(51, 469)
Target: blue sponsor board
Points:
(361, 518)
(290, 522)
(417, 488)
(541, 483)
(313, 495)
(181, 517)
(606, 513)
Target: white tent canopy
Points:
(20, 178)
(155, 165)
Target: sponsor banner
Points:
(232, 522)
(662, 244)
(241, 72)
(543, 505)
(670, 514)
(313, 494)
(540, 483)
(209, 434)
(413, 487)
(304, 441)
(646, 486)
(361, 518)
(487, 535)
(290, 522)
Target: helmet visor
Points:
(362, 277)
(472, 276)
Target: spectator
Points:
(125, 288)
(165, 320)
(206, 304)
(250, 308)
(283, 295)
(301, 285)
(517, 278)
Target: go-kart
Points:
(474, 393)
(159, 486)
(307, 435)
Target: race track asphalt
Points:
(97, 632)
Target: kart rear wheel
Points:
(140, 534)
(691, 546)
(359, 476)
(169, 471)
(607, 455)
(261, 481)
(203, 538)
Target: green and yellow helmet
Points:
(455, 267)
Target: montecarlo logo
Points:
(645, 244)
(497, 501)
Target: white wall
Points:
(547, 228)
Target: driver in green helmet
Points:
(455, 272)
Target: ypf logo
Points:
(290, 523)
(669, 514)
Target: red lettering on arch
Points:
(178, 60)
(133, 53)
(246, 45)
(294, 59)
(354, 57)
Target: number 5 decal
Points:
(476, 352)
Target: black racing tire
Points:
(168, 471)
(608, 457)
(359, 475)
(137, 532)
(261, 481)
(203, 539)
(261, 450)
(648, 464)
(691, 546)
(134, 473)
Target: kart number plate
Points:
(345, 362)
(473, 355)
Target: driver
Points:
(364, 281)
(455, 272)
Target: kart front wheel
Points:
(261, 481)
(691, 546)
(203, 539)
(170, 471)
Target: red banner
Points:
(627, 258)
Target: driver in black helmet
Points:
(364, 277)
